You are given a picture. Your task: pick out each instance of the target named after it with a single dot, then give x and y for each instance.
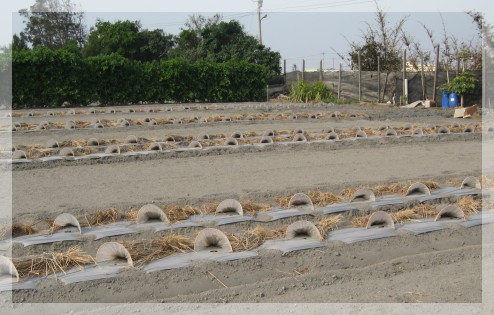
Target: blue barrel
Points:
(445, 99)
(453, 100)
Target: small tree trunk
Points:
(461, 101)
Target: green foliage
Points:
(304, 92)
(43, 77)
(464, 84)
(128, 40)
(46, 77)
(53, 24)
(221, 42)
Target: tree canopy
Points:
(127, 39)
(53, 24)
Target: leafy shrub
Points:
(304, 92)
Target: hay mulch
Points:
(389, 189)
(104, 216)
(431, 184)
(132, 215)
(330, 223)
(53, 262)
(454, 182)
(177, 213)
(39, 153)
(486, 181)
(253, 238)
(251, 207)
(21, 229)
(347, 193)
(283, 201)
(323, 199)
(145, 252)
(406, 215)
(469, 205)
(209, 207)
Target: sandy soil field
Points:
(437, 267)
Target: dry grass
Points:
(53, 263)
(144, 252)
(177, 213)
(454, 182)
(406, 215)
(253, 238)
(486, 181)
(20, 229)
(283, 201)
(39, 154)
(360, 221)
(394, 188)
(84, 151)
(105, 216)
(251, 207)
(424, 211)
(132, 215)
(431, 184)
(329, 224)
(347, 193)
(209, 207)
(323, 198)
(469, 205)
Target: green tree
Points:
(224, 41)
(53, 24)
(126, 39)
(464, 84)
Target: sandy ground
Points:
(441, 267)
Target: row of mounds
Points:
(124, 122)
(207, 240)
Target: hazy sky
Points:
(297, 29)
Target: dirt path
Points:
(74, 187)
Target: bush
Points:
(44, 77)
(304, 92)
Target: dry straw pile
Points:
(406, 215)
(253, 238)
(53, 263)
(469, 205)
(329, 224)
(144, 252)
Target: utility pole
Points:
(259, 6)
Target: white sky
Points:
(297, 28)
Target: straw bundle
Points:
(179, 213)
(105, 216)
(469, 205)
(38, 154)
(372, 132)
(132, 215)
(209, 207)
(454, 182)
(424, 211)
(251, 207)
(57, 125)
(486, 181)
(144, 252)
(329, 223)
(252, 238)
(323, 198)
(347, 193)
(82, 124)
(393, 188)
(431, 184)
(53, 263)
(20, 229)
(283, 201)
